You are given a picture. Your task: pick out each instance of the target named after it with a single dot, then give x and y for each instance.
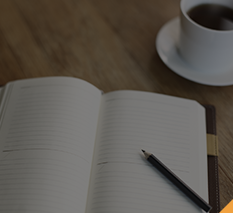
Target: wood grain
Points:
(110, 44)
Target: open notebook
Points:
(66, 147)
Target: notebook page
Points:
(173, 129)
(47, 139)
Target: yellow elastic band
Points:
(212, 144)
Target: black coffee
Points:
(213, 16)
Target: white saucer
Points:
(166, 44)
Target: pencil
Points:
(177, 181)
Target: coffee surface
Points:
(212, 16)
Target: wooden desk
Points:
(109, 43)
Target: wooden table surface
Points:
(109, 43)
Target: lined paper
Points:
(47, 144)
(172, 129)
(42, 181)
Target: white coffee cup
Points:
(205, 49)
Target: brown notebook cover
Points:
(213, 180)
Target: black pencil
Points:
(177, 181)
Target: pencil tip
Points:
(143, 150)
